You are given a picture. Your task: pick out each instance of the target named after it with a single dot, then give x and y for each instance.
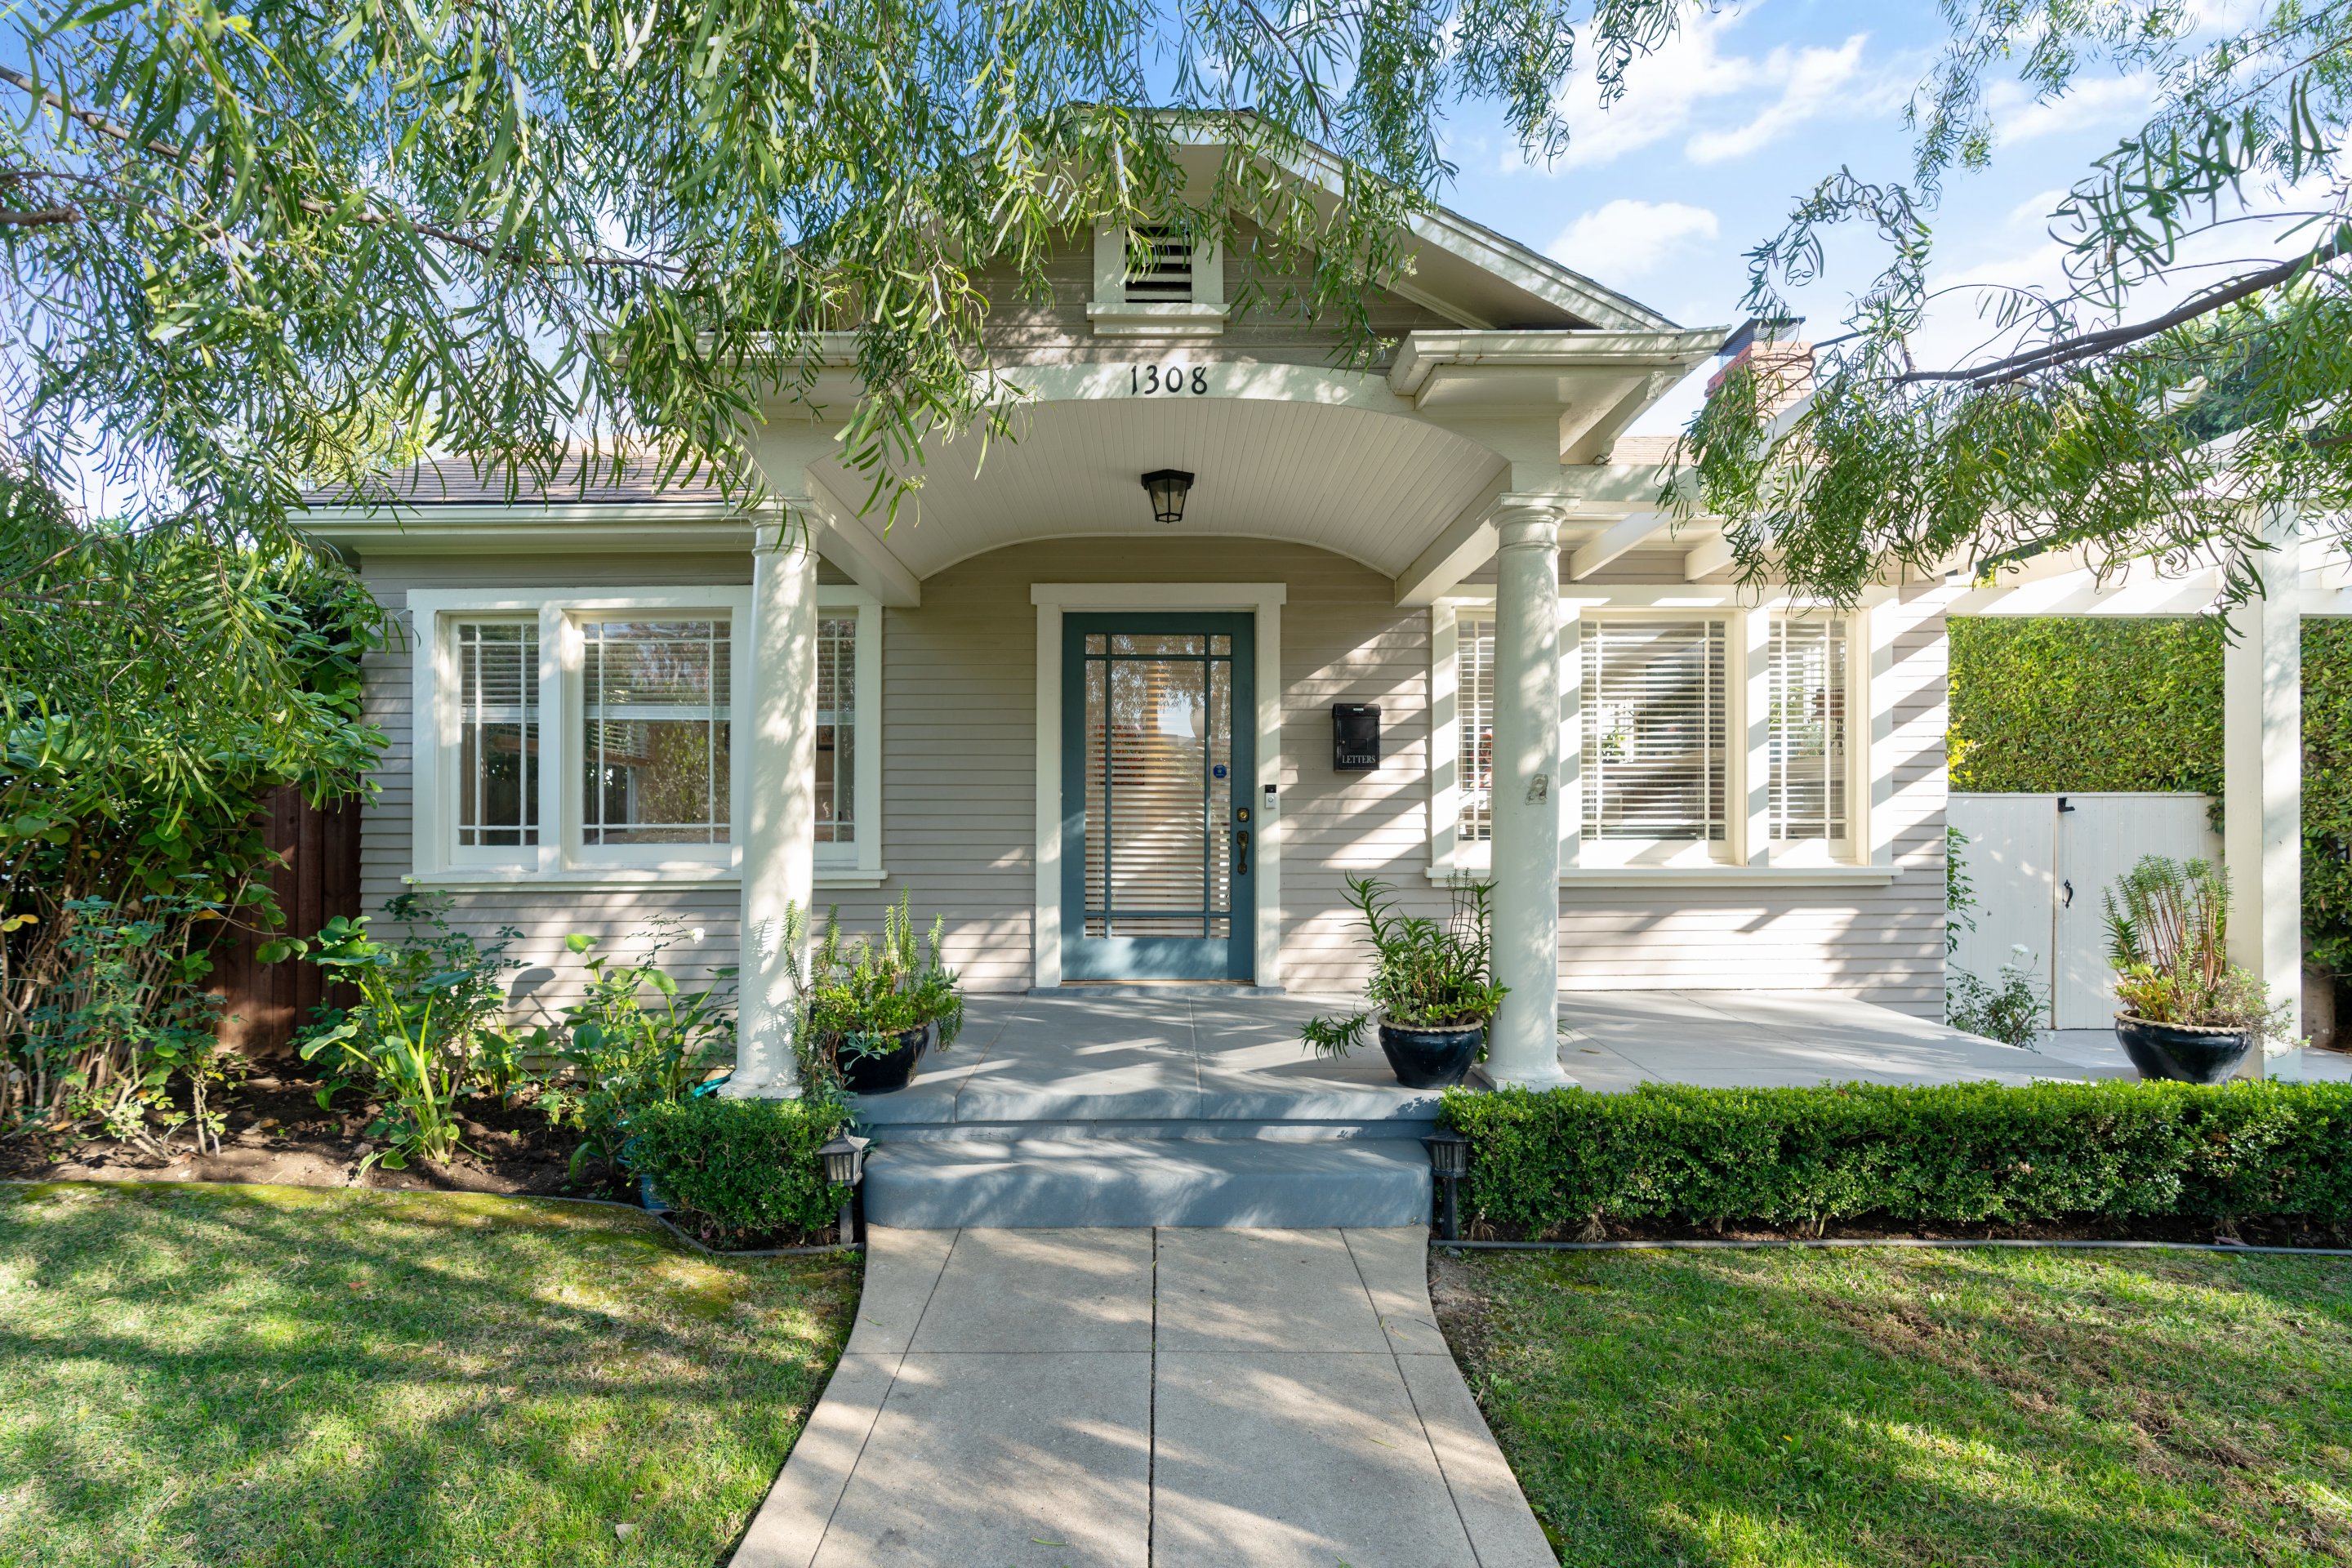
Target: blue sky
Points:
(1718, 133)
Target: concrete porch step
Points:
(1051, 1183)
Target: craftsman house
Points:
(1224, 625)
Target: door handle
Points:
(2067, 894)
(1241, 852)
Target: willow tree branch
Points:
(372, 213)
(2087, 346)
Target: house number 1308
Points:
(1144, 380)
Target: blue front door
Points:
(1158, 848)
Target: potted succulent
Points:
(1432, 986)
(2187, 1013)
(873, 1006)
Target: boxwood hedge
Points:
(749, 1167)
(1561, 1159)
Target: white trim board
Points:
(1263, 600)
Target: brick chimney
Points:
(1784, 372)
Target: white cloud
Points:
(1624, 238)
(1662, 91)
(2105, 101)
(1814, 82)
(1670, 93)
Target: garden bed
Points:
(276, 1134)
(1899, 1408)
(282, 1376)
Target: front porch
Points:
(1197, 1106)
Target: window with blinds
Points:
(497, 734)
(1808, 727)
(1160, 260)
(654, 722)
(1657, 729)
(837, 729)
(1473, 687)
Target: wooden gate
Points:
(263, 1003)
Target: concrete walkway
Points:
(1146, 1399)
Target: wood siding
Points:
(542, 916)
(958, 822)
(1025, 328)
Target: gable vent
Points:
(1158, 264)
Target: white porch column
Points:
(780, 818)
(1524, 1045)
(2262, 760)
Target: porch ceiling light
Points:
(1167, 488)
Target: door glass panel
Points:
(1159, 791)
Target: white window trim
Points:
(1746, 856)
(1113, 315)
(858, 864)
(560, 856)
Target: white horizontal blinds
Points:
(1158, 723)
(497, 734)
(1474, 663)
(836, 729)
(656, 741)
(1657, 722)
(1808, 727)
(1158, 264)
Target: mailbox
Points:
(1355, 737)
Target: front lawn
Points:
(2023, 1407)
(233, 1376)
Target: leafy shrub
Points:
(741, 1167)
(398, 1044)
(124, 1014)
(156, 686)
(1426, 974)
(2012, 1011)
(860, 993)
(1567, 1160)
(627, 1052)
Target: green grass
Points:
(1919, 1408)
(286, 1375)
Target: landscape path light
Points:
(845, 1166)
(1449, 1161)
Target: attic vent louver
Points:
(1158, 265)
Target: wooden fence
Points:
(264, 1002)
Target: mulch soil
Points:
(277, 1133)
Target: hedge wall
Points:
(2113, 704)
(1559, 1160)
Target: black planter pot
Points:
(2180, 1052)
(1431, 1058)
(880, 1072)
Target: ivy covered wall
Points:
(2115, 704)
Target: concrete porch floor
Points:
(1215, 1061)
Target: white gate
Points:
(2039, 863)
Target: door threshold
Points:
(1126, 989)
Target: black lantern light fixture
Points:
(1167, 487)
(1449, 1161)
(845, 1166)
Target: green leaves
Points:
(2094, 421)
(1957, 1153)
